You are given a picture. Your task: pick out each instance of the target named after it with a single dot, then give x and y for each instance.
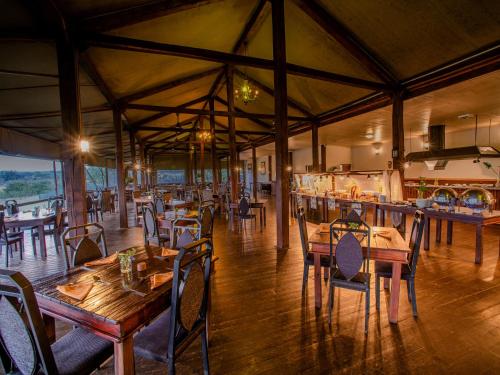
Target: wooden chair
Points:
(185, 231)
(244, 212)
(25, 347)
(106, 202)
(91, 208)
(54, 230)
(359, 208)
(8, 239)
(308, 257)
(346, 264)
(175, 329)
(159, 205)
(206, 219)
(150, 227)
(53, 202)
(408, 271)
(11, 206)
(85, 245)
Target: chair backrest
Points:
(347, 208)
(53, 202)
(87, 243)
(417, 229)
(25, 347)
(59, 222)
(188, 231)
(207, 195)
(106, 203)
(349, 256)
(304, 239)
(207, 221)
(243, 206)
(11, 206)
(159, 205)
(90, 202)
(150, 225)
(3, 230)
(190, 292)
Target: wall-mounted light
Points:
(407, 165)
(148, 170)
(84, 145)
(289, 168)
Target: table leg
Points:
(382, 218)
(395, 287)
(449, 232)
(260, 217)
(264, 216)
(124, 357)
(438, 230)
(375, 216)
(41, 238)
(479, 244)
(317, 280)
(427, 232)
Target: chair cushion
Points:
(152, 341)
(80, 352)
(384, 269)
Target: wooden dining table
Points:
(28, 220)
(116, 306)
(391, 248)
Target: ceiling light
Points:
(84, 145)
(465, 116)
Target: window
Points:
(28, 179)
(95, 178)
(171, 176)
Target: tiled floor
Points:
(262, 323)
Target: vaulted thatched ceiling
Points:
(402, 39)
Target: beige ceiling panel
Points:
(128, 72)
(414, 36)
(214, 26)
(29, 100)
(19, 82)
(93, 7)
(28, 57)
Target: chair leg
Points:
(33, 242)
(408, 287)
(367, 310)
(204, 349)
(377, 292)
(6, 256)
(331, 297)
(413, 297)
(171, 366)
(305, 277)
(325, 273)
(21, 249)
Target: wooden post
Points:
(213, 149)
(270, 169)
(106, 171)
(202, 154)
(55, 177)
(232, 134)
(120, 170)
(281, 123)
(254, 172)
(398, 136)
(134, 158)
(315, 146)
(143, 164)
(73, 163)
(190, 164)
(323, 158)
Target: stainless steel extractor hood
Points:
(441, 155)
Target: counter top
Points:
(456, 186)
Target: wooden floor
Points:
(263, 324)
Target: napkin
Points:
(384, 234)
(76, 290)
(158, 279)
(168, 252)
(324, 228)
(102, 261)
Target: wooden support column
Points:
(106, 170)
(270, 169)
(315, 146)
(143, 165)
(120, 169)
(281, 124)
(233, 173)
(73, 163)
(323, 159)
(254, 173)
(133, 157)
(190, 163)
(202, 154)
(398, 135)
(213, 149)
(55, 177)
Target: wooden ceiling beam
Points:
(217, 131)
(258, 121)
(156, 134)
(292, 103)
(167, 86)
(136, 125)
(145, 46)
(348, 40)
(94, 75)
(27, 74)
(35, 115)
(194, 111)
(136, 14)
(482, 61)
